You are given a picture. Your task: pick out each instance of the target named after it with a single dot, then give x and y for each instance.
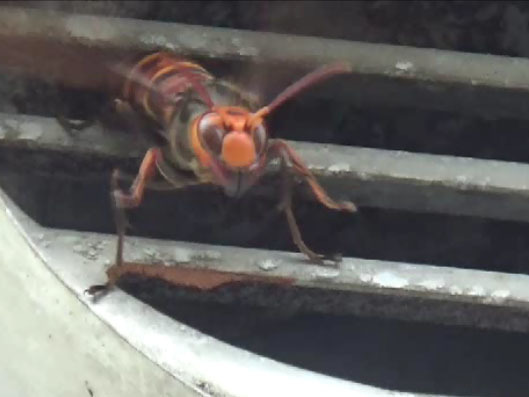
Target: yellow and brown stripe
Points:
(156, 82)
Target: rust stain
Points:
(203, 279)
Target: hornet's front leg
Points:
(287, 155)
(152, 161)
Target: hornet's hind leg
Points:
(122, 201)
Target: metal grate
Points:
(439, 238)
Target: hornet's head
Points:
(232, 142)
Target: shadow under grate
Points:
(298, 327)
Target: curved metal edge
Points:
(189, 356)
(52, 344)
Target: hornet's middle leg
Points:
(287, 155)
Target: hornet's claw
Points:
(96, 292)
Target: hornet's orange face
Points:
(231, 142)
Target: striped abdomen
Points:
(157, 83)
(158, 86)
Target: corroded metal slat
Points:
(370, 177)
(384, 74)
(167, 357)
(389, 289)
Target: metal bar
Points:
(370, 177)
(389, 289)
(76, 49)
(53, 269)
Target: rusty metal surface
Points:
(204, 364)
(203, 279)
(491, 86)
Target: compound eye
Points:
(259, 138)
(211, 133)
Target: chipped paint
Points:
(365, 277)
(477, 291)
(404, 66)
(325, 273)
(157, 40)
(30, 130)
(499, 295)
(461, 179)
(208, 255)
(454, 290)
(242, 49)
(362, 175)
(11, 123)
(340, 167)
(150, 255)
(432, 284)
(267, 264)
(89, 250)
(23, 130)
(182, 255)
(389, 280)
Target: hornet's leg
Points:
(122, 201)
(152, 160)
(286, 206)
(286, 154)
